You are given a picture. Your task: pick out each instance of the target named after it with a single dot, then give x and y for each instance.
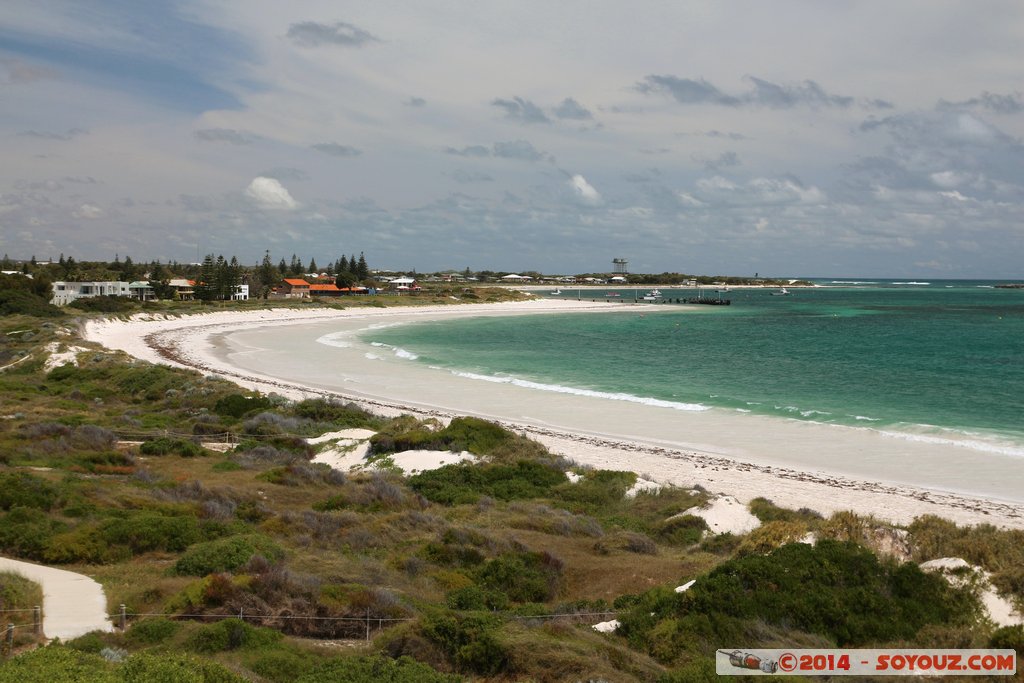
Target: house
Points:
(141, 290)
(295, 288)
(403, 284)
(513, 277)
(184, 290)
(324, 290)
(240, 293)
(66, 292)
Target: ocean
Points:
(934, 361)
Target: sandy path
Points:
(73, 604)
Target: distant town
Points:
(217, 278)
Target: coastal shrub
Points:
(770, 536)
(836, 589)
(1009, 638)
(466, 483)
(17, 592)
(57, 663)
(339, 415)
(174, 668)
(152, 631)
(167, 446)
(238, 405)
(282, 665)
(27, 532)
(470, 640)
(596, 491)
(472, 434)
(374, 669)
(523, 577)
(767, 511)
(231, 634)
(681, 530)
(26, 490)
(473, 597)
(226, 554)
(146, 531)
(105, 304)
(268, 424)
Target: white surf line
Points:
(73, 604)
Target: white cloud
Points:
(88, 211)
(270, 194)
(584, 190)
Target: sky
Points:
(784, 138)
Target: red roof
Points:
(323, 288)
(296, 283)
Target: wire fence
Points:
(370, 623)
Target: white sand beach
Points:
(300, 353)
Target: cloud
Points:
(234, 137)
(88, 212)
(43, 135)
(724, 160)
(313, 34)
(518, 149)
(469, 151)
(415, 102)
(762, 93)
(991, 102)
(778, 96)
(521, 110)
(464, 176)
(585, 192)
(18, 71)
(571, 109)
(336, 150)
(270, 194)
(286, 173)
(686, 90)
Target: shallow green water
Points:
(943, 358)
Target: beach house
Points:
(295, 288)
(66, 292)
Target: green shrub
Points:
(472, 434)
(239, 405)
(597, 490)
(58, 664)
(473, 597)
(167, 446)
(466, 483)
(105, 304)
(523, 577)
(146, 531)
(152, 631)
(231, 634)
(375, 669)
(340, 415)
(175, 668)
(16, 302)
(681, 530)
(225, 554)
(470, 640)
(839, 590)
(27, 532)
(26, 490)
(282, 666)
(1009, 638)
(767, 511)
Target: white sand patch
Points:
(356, 433)
(959, 572)
(686, 586)
(643, 485)
(412, 462)
(607, 626)
(58, 358)
(726, 515)
(573, 477)
(345, 455)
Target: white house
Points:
(240, 293)
(66, 292)
(514, 277)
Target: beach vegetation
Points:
(163, 445)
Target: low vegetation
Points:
(238, 565)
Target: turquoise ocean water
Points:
(943, 359)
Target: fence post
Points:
(9, 640)
(367, 624)
(37, 620)
(123, 617)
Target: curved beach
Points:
(795, 463)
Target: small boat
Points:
(653, 295)
(782, 292)
(723, 290)
(557, 292)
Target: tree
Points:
(312, 266)
(344, 279)
(282, 267)
(205, 287)
(362, 270)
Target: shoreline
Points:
(224, 342)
